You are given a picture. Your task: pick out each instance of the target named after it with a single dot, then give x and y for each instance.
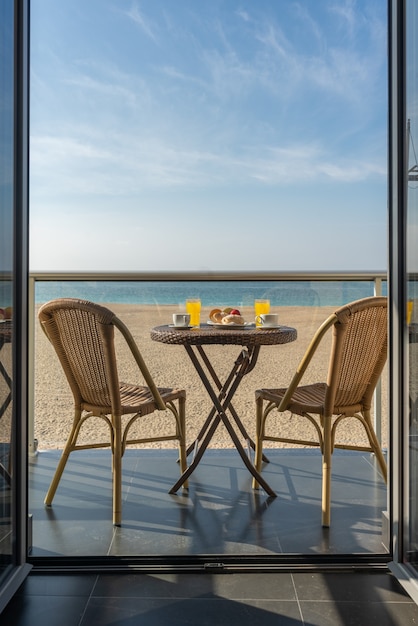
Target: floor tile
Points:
(58, 585)
(202, 611)
(349, 587)
(52, 610)
(358, 613)
(232, 586)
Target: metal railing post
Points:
(32, 442)
(378, 391)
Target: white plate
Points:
(220, 325)
(180, 327)
(268, 327)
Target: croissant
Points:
(216, 316)
(237, 320)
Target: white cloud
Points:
(303, 164)
(244, 15)
(122, 164)
(140, 20)
(101, 88)
(346, 10)
(340, 70)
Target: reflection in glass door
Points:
(6, 277)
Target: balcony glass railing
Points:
(144, 300)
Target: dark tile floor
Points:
(285, 599)
(220, 514)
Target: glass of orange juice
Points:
(193, 306)
(409, 310)
(261, 306)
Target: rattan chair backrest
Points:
(82, 334)
(358, 354)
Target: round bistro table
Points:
(5, 337)
(6, 330)
(250, 339)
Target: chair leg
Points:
(258, 439)
(117, 471)
(69, 447)
(374, 444)
(326, 473)
(181, 428)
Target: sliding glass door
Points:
(404, 288)
(411, 207)
(411, 414)
(13, 272)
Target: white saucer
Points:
(180, 327)
(220, 325)
(268, 327)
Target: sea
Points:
(211, 293)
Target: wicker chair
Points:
(82, 334)
(358, 355)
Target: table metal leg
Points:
(203, 444)
(3, 471)
(221, 388)
(251, 363)
(8, 381)
(222, 403)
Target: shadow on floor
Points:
(220, 514)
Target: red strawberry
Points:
(235, 312)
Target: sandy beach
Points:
(170, 366)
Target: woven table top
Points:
(241, 336)
(5, 332)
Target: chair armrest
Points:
(306, 359)
(140, 362)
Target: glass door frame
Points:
(107, 561)
(18, 30)
(399, 339)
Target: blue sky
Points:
(208, 135)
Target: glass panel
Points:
(220, 513)
(185, 120)
(6, 280)
(412, 273)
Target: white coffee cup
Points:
(267, 319)
(182, 320)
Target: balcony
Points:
(220, 515)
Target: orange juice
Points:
(409, 310)
(260, 307)
(193, 308)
